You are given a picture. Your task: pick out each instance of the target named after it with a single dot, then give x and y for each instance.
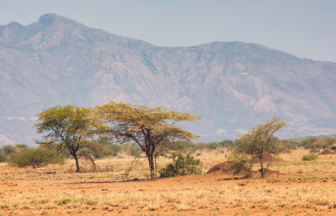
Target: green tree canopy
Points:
(71, 127)
(148, 127)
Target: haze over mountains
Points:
(233, 85)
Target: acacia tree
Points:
(255, 141)
(148, 127)
(71, 127)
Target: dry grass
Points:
(24, 190)
(263, 196)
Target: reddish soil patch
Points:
(326, 152)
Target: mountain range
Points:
(232, 85)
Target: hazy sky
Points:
(305, 28)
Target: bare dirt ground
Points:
(304, 188)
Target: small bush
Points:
(40, 202)
(35, 157)
(309, 157)
(3, 158)
(183, 165)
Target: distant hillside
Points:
(233, 85)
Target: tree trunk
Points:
(151, 166)
(77, 163)
(261, 167)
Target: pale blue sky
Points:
(305, 28)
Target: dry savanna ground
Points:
(303, 188)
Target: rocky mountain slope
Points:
(233, 85)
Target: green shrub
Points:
(40, 202)
(3, 158)
(213, 145)
(21, 146)
(64, 201)
(110, 149)
(314, 150)
(199, 146)
(330, 140)
(114, 149)
(181, 145)
(35, 157)
(274, 148)
(183, 165)
(291, 145)
(226, 143)
(309, 157)
(9, 150)
(53, 146)
(309, 143)
(134, 150)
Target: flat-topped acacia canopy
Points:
(148, 127)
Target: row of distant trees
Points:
(112, 149)
(275, 146)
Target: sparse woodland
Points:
(134, 160)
